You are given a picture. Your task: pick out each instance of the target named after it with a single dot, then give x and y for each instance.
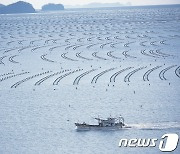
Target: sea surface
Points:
(71, 66)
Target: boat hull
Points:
(87, 128)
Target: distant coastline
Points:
(24, 7)
(15, 8)
(131, 6)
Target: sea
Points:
(58, 68)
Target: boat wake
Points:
(155, 126)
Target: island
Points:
(52, 7)
(18, 7)
(1, 5)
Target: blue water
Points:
(38, 116)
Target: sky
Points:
(37, 4)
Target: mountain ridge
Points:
(18, 7)
(52, 7)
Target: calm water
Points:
(60, 68)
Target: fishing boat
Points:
(111, 123)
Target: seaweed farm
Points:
(61, 67)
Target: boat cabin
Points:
(107, 122)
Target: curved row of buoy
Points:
(43, 57)
(128, 56)
(161, 74)
(1, 58)
(95, 78)
(112, 56)
(28, 78)
(155, 53)
(76, 81)
(67, 58)
(113, 77)
(56, 82)
(146, 75)
(127, 77)
(5, 74)
(11, 59)
(49, 76)
(177, 71)
(14, 75)
(94, 54)
(80, 56)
